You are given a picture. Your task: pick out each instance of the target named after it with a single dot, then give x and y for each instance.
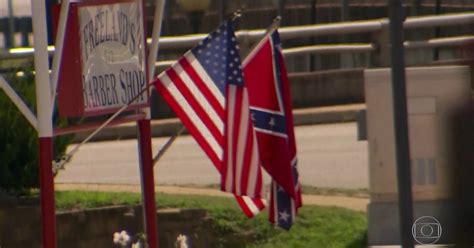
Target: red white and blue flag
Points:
(206, 90)
(269, 92)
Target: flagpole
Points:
(275, 25)
(167, 145)
(236, 15)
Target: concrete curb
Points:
(326, 115)
(168, 127)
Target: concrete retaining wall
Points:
(21, 226)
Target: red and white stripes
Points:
(201, 106)
(242, 173)
(197, 102)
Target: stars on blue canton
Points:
(284, 216)
(271, 122)
(234, 69)
(219, 55)
(265, 120)
(284, 213)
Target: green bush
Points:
(19, 140)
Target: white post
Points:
(45, 125)
(11, 25)
(43, 88)
(58, 49)
(155, 37)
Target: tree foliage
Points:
(19, 140)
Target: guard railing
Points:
(378, 28)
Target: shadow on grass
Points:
(359, 242)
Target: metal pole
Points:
(416, 7)
(147, 181)
(402, 146)
(344, 10)
(155, 37)
(10, 35)
(144, 143)
(437, 30)
(45, 125)
(281, 9)
(222, 10)
(195, 17)
(312, 57)
(58, 51)
(345, 59)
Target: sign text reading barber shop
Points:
(112, 55)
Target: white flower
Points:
(182, 241)
(20, 74)
(137, 245)
(116, 238)
(121, 238)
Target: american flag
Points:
(271, 111)
(206, 90)
(241, 173)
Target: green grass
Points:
(306, 189)
(315, 227)
(68, 200)
(321, 227)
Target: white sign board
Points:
(112, 45)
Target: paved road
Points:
(329, 156)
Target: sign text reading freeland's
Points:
(112, 55)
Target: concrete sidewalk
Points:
(353, 203)
(168, 127)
